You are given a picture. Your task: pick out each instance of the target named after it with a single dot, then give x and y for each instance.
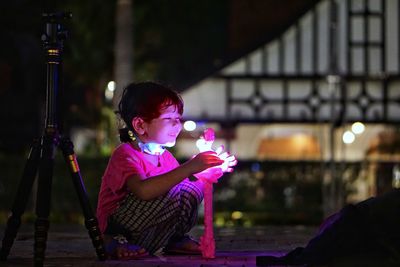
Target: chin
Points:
(170, 144)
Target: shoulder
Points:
(125, 159)
(125, 152)
(124, 148)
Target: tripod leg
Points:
(21, 199)
(44, 195)
(90, 220)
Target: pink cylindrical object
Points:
(207, 242)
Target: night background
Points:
(176, 42)
(293, 78)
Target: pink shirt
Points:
(125, 162)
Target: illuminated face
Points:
(165, 129)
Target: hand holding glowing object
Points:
(229, 160)
(204, 143)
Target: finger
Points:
(232, 163)
(219, 149)
(214, 156)
(229, 170)
(219, 161)
(209, 152)
(216, 163)
(231, 158)
(224, 155)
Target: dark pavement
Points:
(70, 245)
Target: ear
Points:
(138, 125)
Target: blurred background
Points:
(305, 93)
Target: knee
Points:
(192, 194)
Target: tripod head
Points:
(55, 33)
(53, 39)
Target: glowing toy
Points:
(207, 242)
(210, 176)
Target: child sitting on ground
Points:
(146, 201)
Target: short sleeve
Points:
(123, 164)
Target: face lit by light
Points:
(358, 128)
(164, 129)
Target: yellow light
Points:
(52, 52)
(220, 221)
(236, 215)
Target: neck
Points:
(148, 148)
(152, 148)
(153, 158)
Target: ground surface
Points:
(69, 245)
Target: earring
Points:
(131, 135)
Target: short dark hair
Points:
(146, 100)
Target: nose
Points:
(178, 123)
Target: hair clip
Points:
(131, 135)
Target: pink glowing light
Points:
(210, 176)
(207, 241)
(209, 135)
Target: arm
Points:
(152, 187)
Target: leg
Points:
(190, 199)
(152, 224)
(148, 224)
(180, 242)
(21, 199)
(90, 220)
(44, 195)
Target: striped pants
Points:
(152, 224)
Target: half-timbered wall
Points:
(338, 62)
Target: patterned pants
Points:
(152, 224)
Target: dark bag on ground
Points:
(368, 231)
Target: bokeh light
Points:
(189, 126)
(109, 93)
(357, 128)
(348, 137)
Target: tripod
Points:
(41, 157)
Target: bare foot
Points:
(185, 246)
